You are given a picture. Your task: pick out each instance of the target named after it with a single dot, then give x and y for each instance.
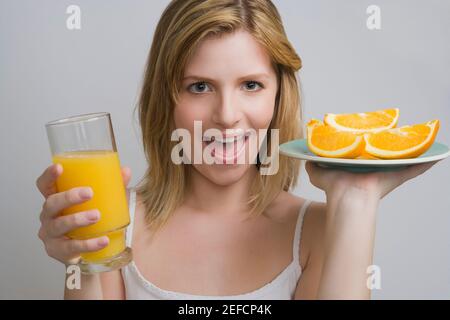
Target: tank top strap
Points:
(298, 230)
(131, 209)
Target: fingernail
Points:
(93, 215)
(103, 241)
(86, 193)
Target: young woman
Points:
(213, 231)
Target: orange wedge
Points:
(364, 122)
(366, 156)
(402, 142)
(328, 142)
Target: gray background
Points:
(48, 72)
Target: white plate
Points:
(299, 149)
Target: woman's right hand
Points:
(54, 226)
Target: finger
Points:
(71, 246)
(62, 225)
(46, 182)
(314, 169)
(126, 175)
(55, 248)
(61, 200)
(413, 171)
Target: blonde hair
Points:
(183, 24)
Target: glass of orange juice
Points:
(85, 147)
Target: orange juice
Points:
(99, 170)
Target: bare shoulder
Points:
(286, 208)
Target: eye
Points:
(253, 85)
(198, 87)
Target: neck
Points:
(206, 196)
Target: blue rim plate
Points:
(299, 149)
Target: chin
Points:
(223, 175)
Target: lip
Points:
(222, 158)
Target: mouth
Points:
(227, 149)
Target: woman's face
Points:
(230, 85)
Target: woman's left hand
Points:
(334, 181)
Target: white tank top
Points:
(281, 288)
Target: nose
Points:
(226, 113)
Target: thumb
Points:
(417, 169)
(313, 173)
(126, 175)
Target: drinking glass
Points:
(84, 145)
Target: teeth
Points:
(229, 139)
(222, 140)
(225, 140)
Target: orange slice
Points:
(326, 141)
(366, 156)
(402, 142)
(364, 122)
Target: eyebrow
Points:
(249, 76)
